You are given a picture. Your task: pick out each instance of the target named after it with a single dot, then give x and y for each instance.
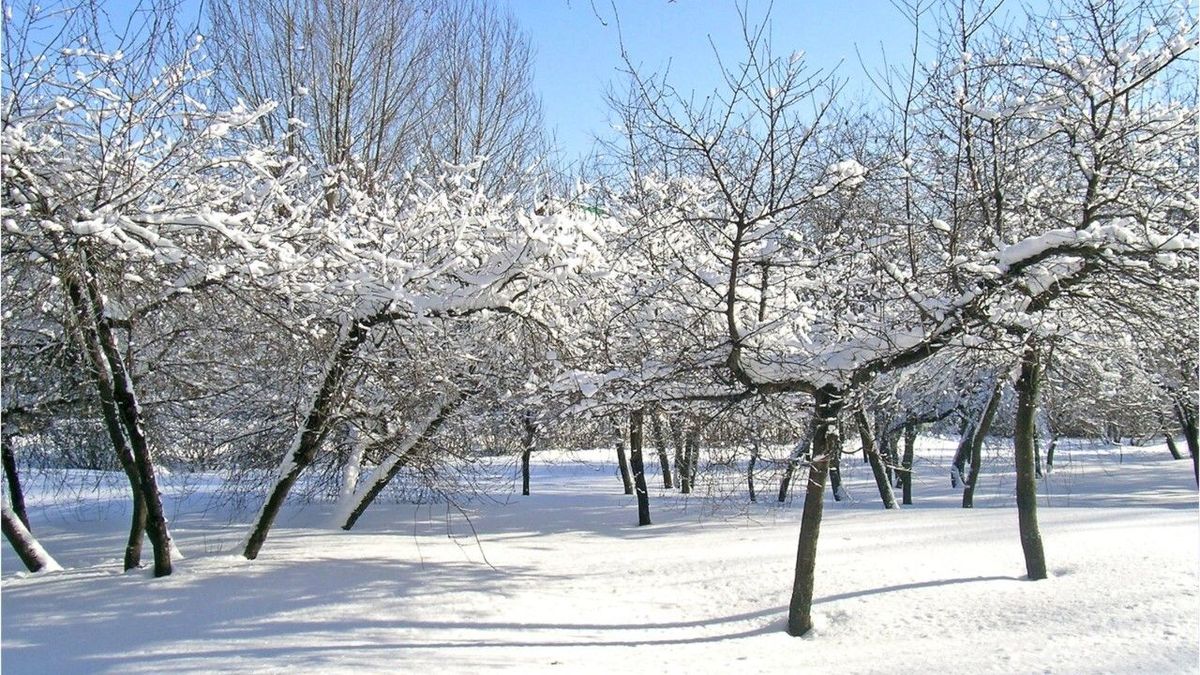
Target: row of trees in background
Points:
(319, 240)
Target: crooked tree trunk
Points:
(1172, 447)
(411, 446)
(636, 419)
(826, 442)
(622, 461)
(979, 431)
(789, 470)
(882, 482)
(1024, 432)
(965, 445)
(87, 333)
(308, 437)
(23, 542)
(906, 464)
(660, 443)
(15, 493)
(526, 450)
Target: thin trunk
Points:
(410, 447)
(353, 465)
(660, 444)
(130, 413)
(677, 440)
(835, 476)
(906, 464)
(1023, 438)
(826, 442)
(1186, 412)
(307, 438)
(636, 419)
(101, 376)
(754, 451)
(27, 547)
(881, 478)
(15, 493)
(793, 463)
(526, 450)
(622, 461)
(693, 460)
(1172, 447)
(979, 431)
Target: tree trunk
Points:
(308, 437)
(677, 440)
(979, 431)
(826, 442)
(636, 419)
(526, 450)
(906, 464)
(881, 478)
(15, 493)
(754, 451)
(1023, 439)
(101, 375)
(1172, 447)
(793, 462)
(411, 446)
(622, 462)
(1185, 410)
(27, 547)
(693, 456)
(661, 444)
(835, 476)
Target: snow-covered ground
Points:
(564, 581)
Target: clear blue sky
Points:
(577, 54)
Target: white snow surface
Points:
(564, 581)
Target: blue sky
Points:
(577, 54)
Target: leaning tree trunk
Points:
(906, 464)
(411, 446)
(801, 449)
(1024, 432)
(967, 439)
(15, 493)
(979, 431)
(1185, 410)
(1172, 447)
(27, 547)
(660, 443)
(636, 419)
(622, 461)
(308, 437)
(881, 478)
(825, 442)
(526, 450)
(100, 373)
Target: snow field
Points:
(564, 581)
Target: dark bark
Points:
(102, 379)
(636, 419)
(693, 452)
(419, 446)
(677, 441)
(526, 450)
(623, 462)
(785, 483)
(15, 493)
(826, 442)
(309, 437)
(882, 483)
(23, 542)
(660, 443)
(906, 464)
(1023, 438)
(750, 466)
(1172, 447)
(979, 431)
(967, 439)
(1185, 410)
(835, 475)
